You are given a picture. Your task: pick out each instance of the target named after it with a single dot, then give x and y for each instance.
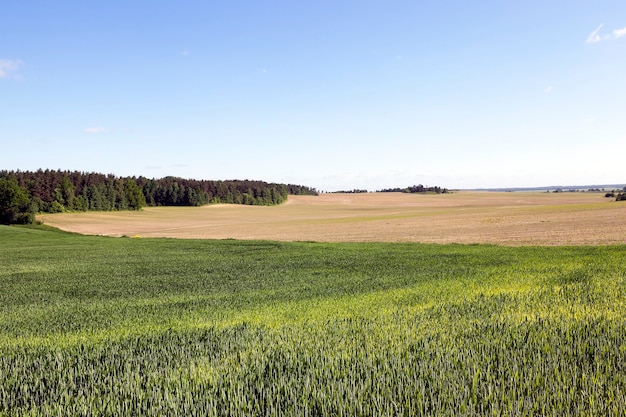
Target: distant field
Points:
(464, 217)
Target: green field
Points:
(149, 327)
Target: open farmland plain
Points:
(106, 326)
(463, 217)
(97, 325)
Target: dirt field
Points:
(463, 217)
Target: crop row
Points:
(392, 365)
(163, 327)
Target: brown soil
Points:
(463, 217)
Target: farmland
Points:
(511, 219)
(93, 325)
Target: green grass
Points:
(106, 326)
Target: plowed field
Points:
(464, 217)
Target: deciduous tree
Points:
(15, 204)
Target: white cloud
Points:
(548, 89)
(9, 67)
(618, 33)
(596, 36)
(95, 130)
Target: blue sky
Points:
(331, 94)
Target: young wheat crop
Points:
(108, 327)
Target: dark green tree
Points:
(15, 204)
(134, 195)
(58, 191)
(64, 193)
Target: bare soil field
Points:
(514, 219)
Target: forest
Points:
(25, 193)
(415, 189)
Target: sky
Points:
(332, 94)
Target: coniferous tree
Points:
(57, 191)
(64, 193)
(134, 195)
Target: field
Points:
(464, 217)
(325, 305)
(93, 325)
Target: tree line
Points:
(415, 189)
(25, 193)
(354, 191)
